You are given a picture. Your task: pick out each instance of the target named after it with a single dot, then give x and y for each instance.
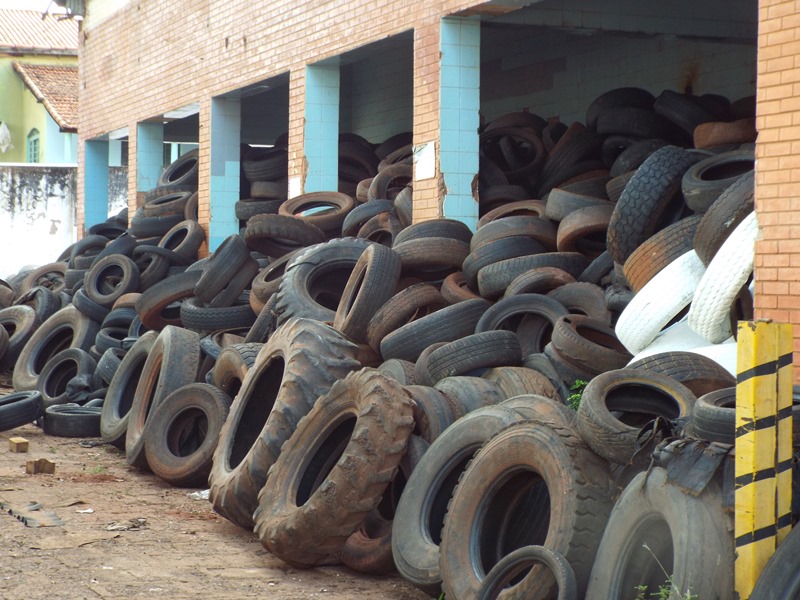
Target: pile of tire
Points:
(356, 388)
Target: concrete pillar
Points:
(226, 119)
(149, 155)
(459, 105)
(95, 182)
(321, 136)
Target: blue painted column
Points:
(459, 119)
(95, 182)
(149, 155)
(226, 125)
(321, 141)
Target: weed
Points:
(665, 590)
(97, 470)
(574, 399)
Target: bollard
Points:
(763, 446)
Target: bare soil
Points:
(127, 534)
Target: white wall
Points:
(37, 215)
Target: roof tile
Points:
(56, 87)
(25, 30)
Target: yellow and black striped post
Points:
(763, 446)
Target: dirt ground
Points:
(127, 534)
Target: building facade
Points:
(225, 74)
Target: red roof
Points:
(24, 31)
(56, 87)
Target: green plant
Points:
(97, 470)
(664, 590)
(574, 399)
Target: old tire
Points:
(180, 441)
(334, 469)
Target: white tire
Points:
(724, 354)
(659, 301)
(727, 272)
(675, 338)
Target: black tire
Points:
(536, 228)
(247, 209)
(362, 213)
(477, 351)
(703, 183)
(683, 110)
(697, 372)
(121, 391)
(414, 302)
(20, 408)
(42, 300)
(314, 281)
(622, 96)
(184, 239)
(617, 404)
(225, 262)
(67, 377)
(146, 227)
(445, 228)
(110, 278)
(650, 201)
(71, 420)
(656, 526)
(156, 306)
(540, 280)
(534, 483)
(780, 578)
(167, 204)
(659, 250)
(581, 298)
(714, 416)
(68, 328)
(232, 365)
(334, 469)
(369, 549)
(180, 172)
(588, 344)
(180, 442)
(336, 206)
(202, 318)
(171, 363)
(466, 393)
(420, 514)
(431, 258)
(493, 279)
(265, 324)
(19, 323)
(520, 561)
(539, 314)
(730, 209)
(108, 364)
(88, 307)
(371, 283)
(445, 325)
(495, 251)
(634, 155)
(276, 235)
(298, 364)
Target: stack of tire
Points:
(360, 389)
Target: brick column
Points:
(428, 188)
(777, 259)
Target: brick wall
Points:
(778, 167)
